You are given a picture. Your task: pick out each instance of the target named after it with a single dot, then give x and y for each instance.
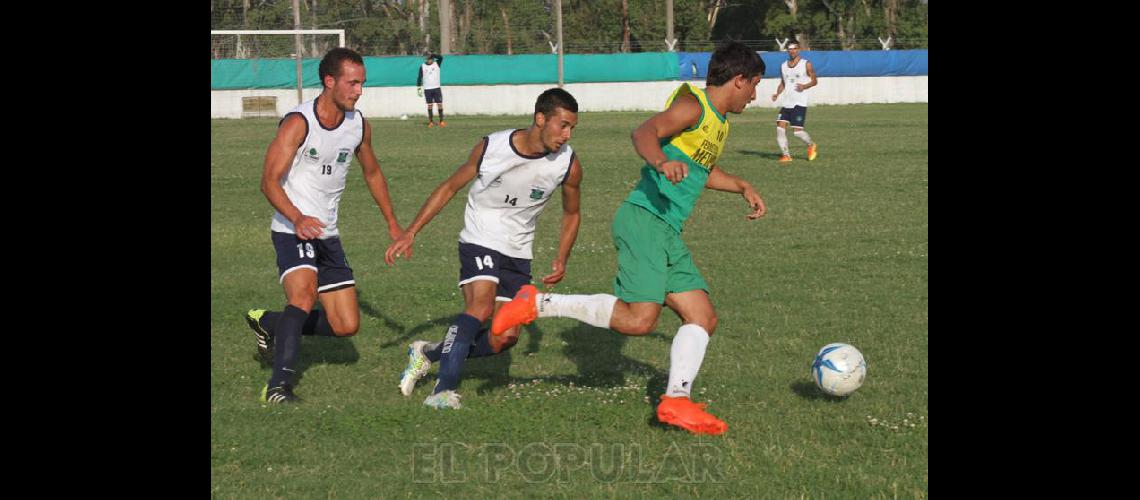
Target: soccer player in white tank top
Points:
(304, 175)
(800, 76)
(515, 173)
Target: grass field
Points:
(840, 257)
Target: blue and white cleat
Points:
(444, 400)
(418, 366)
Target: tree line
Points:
(405, 27)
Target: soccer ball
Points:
(838, 369)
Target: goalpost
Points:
(250, 44)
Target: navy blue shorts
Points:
(433, 95)
(794, 116)
(326, 257)
(481, 263)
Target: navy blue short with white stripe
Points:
(326, 257)
(482, 263)
(795, 116)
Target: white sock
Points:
(782, 140)
(803, 135)
(594, 310)
(685, 359)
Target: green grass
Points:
(840, 257)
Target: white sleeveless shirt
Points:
(316, 178)
(792, 76)
(430, 75)
(505, 200)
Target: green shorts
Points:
(652, 259)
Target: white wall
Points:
(378, 102)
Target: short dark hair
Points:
(553, 98)
(731, 59)
(332, 62)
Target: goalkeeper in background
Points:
(427, 86)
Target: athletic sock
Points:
(685, 359)
(456, 347)
(288, 342)
(594, 310)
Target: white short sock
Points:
(594, 310)
(685, 359)
(782, 140)
(803, 135)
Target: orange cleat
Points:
(785, 158)
(520, 311)
(442, 123)
(812, 152)
(431, 124)
(683, 413)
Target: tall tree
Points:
(425, 12)
(465, 26)
(314, 50)
(713, 10)
(453, 31)
(507, 26)
(625, 25)
(844, 13)
(890, 14)
(801, 35)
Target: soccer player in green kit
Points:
(680, 147)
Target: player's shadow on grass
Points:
(324, 350)
(654, 390)
(762, 154)
(597, 353)
(391, 324)
(319, 350)
(496, 370)
(808, 390)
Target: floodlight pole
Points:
(558, 7)
(297, 44)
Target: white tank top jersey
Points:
(315, 181)
(505, 200)
(431, 75)
(791, 77)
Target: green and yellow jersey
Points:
(699, 146)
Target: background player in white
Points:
(515, 173)
(304, 176)
(428, 81)
(796, 76)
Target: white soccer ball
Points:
(838, 369)
(403, 117)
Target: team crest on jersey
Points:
(536, 193)
(342, 156)
(312, 155)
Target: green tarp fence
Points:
(230, 74)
